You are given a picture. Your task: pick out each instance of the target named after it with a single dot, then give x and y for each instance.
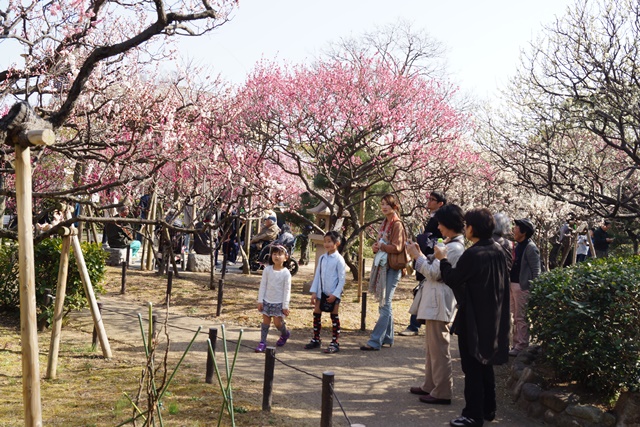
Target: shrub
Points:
(586, 318)
(47, 263)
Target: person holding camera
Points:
(436, 305)
(426, 241)
(326, 291)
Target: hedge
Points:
(587, 320)
(47, 262)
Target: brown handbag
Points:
(400, 260)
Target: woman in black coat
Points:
(481, 286)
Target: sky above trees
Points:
(484, 39)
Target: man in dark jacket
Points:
(121, 235)
(426, 241)
(202, 237)
(481, 285)
(601, 240)
(526, 267)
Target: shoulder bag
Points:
(325, 305)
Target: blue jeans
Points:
(383, 330)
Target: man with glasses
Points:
(427, 240)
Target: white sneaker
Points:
(408, 333)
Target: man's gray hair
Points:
(503, 224)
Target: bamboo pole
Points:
(58, 310)
(28, 321)
(93, 304)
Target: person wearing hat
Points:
(526, 267)
(269, 231)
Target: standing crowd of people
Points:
(478, 290)
(473, 293)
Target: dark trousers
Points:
(479, 384)
(414, 325)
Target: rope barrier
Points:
(247, 347)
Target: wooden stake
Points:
(326, 411)
(93, 304)
(148, 257)
(58, 310)
(28, 320)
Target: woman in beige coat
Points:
(435, 305)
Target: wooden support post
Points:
(363, 312)
(123, 285)
(167, 298)
(154, 325)
(41, 137)
(94, 335)
(27, 279)
(220, 296)
(58, 310)
(94, 229)
(326, 412)
(149, 255)
(267, 388)
(213, 337)
(246, 266)
(93, 304)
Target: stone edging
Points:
(556, 406)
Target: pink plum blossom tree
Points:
(350, 131)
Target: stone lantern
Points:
(322, 218)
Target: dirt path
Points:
(372, 387)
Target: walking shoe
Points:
(434, 400)
(419, 391)
(313, 344)
(261, 347)
(465, 422)
(334, 347)
(283, 339)
(514, 352)
(368, 348)
(490, 416)
(408, 333)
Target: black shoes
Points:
(419, 391)
(490, 416)
(368, 348)
(313, 344)
(434, 400)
